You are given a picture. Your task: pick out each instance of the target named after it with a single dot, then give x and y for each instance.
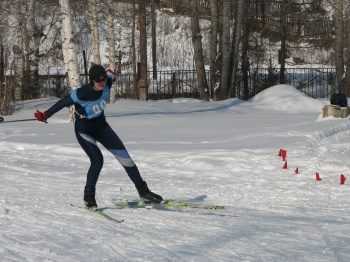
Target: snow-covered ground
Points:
(222, 153)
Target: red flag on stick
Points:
(318, 178)
(297, 171)
(342, 179)
(284, 154)
(285, 165)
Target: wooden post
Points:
(335, 111)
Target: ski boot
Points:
(89, 198)
(147, 195)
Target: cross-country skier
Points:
(91, 127)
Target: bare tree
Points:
(213, 47)
(143, 84)
(198, 52)
(69, 49)
(245, 52)
(339, 42)
(235, 45)
(133, 50)
(32, 40)
(18, 59)
(111, 45)
(226, 49)
(92, 9)
(346, 83)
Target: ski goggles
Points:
(99, 80)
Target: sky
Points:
(205, 152)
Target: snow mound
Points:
(286, 98)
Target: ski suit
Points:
(91, 127)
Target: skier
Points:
(90, 126)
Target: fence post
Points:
(173, 84)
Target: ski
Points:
(167, 203)
(99, 213)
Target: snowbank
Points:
(288, 99)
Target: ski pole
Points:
(21, 120)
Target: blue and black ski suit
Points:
(91, 127)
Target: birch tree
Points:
(198, 52)
(218, 94)
(235, 46)
(111, 46)
(68, 49)
(18, 58)
(213, 47)
(92, 9)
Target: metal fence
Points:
(314, 82)
(169, 84)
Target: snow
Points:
(221, 153)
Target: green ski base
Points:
(167, 203)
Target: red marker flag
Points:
(285, 165)
(318, 178)
(284, 154)
(280, 152)
(342, 179)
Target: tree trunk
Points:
(235, 46)
(133, 47)
(213, 47)
(154, 38)
(346, 83)
(111, 47)
(18, 62)
(33, 38)
(245, 56)
(339, 42)
(198, 53)
(2, 70)
(335, 111)
(282, 53)
(226, 49)
(68, 49)
(92, 9)
(143, 84)
(217, 92)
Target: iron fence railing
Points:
(314, 82)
